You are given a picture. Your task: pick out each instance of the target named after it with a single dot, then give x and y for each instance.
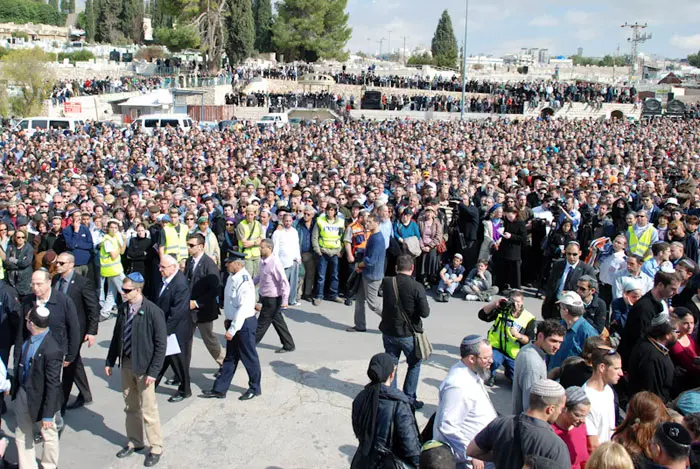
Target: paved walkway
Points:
(302, 419)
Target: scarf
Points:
(380, 368)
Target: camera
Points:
(506, 306)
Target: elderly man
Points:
(572, 309)
(288, 251)
(465, 407)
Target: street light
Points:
(464, 61)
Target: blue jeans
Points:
(500, 359)
(292, 274)
(394, 346)
(324, 262)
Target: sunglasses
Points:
(61, 262)
(229, 224)
(126, 291)
(189, 219)
(192, 245)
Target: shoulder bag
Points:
(423, 348)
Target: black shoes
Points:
(247, 396)
(418, 405)
(354, 329)
(179, 397)
(212, 395)
(491, 382)
(152, 459)
(78, 403)
(128, 451)
(284, 350)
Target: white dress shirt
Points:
(166, 282)
(239, 299)
(643, 280)
(286, 246)
(464, 410)
(5, 384)
(610, 266)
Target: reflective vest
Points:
(358, 239)
(500, 337)
(640, 246)
(2, 271)
(176, 243)
(330, 234)
(250, 233)
(110, 267)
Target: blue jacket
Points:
(375, 252)
(305, 235)
(573, 342)
(402, 232)
(80, 243)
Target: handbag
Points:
(412, 245)
(442, 247)
(422, 345)
(387, 459)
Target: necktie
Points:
(61, 282)
(165, 285)
(565, 277)
(127, 333)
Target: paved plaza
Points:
(302, 419)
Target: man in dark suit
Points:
(173, 297)
(203, 277)
(10, 320)
(36, 388)
(79, 289)
(139, 341)
(564, 277)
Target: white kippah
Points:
(547, 388)
(42, 311)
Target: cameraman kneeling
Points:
(513, 327)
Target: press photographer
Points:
(513, 327)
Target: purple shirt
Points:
(271, 280)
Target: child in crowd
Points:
(450, 278)
(479, 284)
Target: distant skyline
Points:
(499, 27)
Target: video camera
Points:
(506, 306)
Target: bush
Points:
(76, 56)
(20, 35)
(150, 53)
(180, 38)
(30, 11)
(421, 59)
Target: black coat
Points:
(63, 322)
(406, 445)
(148, 339)
(19, 273)
(650, 370)
(511, 249)
(43, 384)
(10, 316)
(413, 301)
(84, 296)
(137, 253)
(204, 287)
(468, 221)
(637, 325)
(597, 313)
(175, 303)
(549, 310)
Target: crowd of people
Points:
(153, 236)
(66, 89)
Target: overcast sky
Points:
(502, 26)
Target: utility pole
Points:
(403, 52)
(637, 38)
(464, 62)
(389, 41)
(617, 54)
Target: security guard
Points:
(513, 328)
(111, 269)
(241, 324)
(641, 236)
(173, 239)
(250, 233)
(327, 242)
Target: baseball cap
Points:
(570, 298)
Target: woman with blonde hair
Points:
(610, 455)
(644, 412)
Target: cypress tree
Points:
(90, 20)
(444, 45)
(262, 16)
(54, 3)
(241, 31)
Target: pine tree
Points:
(54, 3)
(444, 46)
(90, 20)
(107, 21)
(131, 20)
(241, 31)
(262, 15)
(71, 6)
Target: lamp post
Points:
(464, 61)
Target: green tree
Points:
(131, 20)
(311, 29)
(108, 24)
(30, 11)
(65, 5)
(444, 45)
(177, 39)
(89, 25)
(421, 59)
(71, 6)
(54, 4)
(241, 31)
(27, 70)
(262, 16)
(694, 60)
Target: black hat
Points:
(672, 435)
(22, 221)
(234, 256)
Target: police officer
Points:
(513, 327)
(250, 234)
(327, 242)
(241, 325)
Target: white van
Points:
(148, 122)
(30, 124)
(276, 119)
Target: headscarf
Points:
(380, 368)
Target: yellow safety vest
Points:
(330, 234)
(110, 267)
(2, 271)
(640, 246)
(250, 233)
(500, 337)
(176, 243)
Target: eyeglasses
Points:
(229, 224)
(189, 245)
(61, 262)
(20, 237)
(126, 291)
(582, 288)
(189, 219)
(641, 216)
(573, 254)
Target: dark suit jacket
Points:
(549, 310)
(10, 316)
(204, 287)
(84, 296)
(43, 385)
(175, 303)
(148, 339)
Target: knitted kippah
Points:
(575, 395)
(472, 339)
(547, 388)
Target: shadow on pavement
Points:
(432, 382)
(320, 379)
(349, 451)
(97, 365)
(85, 419)
(451, 349)
(319, 319)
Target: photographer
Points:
(513, 327)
